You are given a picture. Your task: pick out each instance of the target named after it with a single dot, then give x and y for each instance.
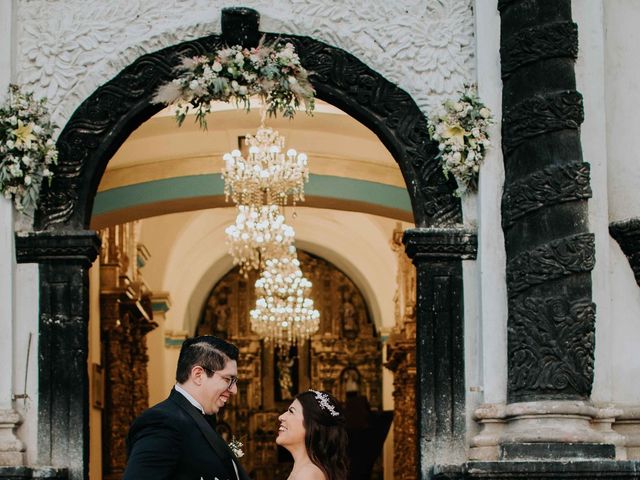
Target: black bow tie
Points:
(211, 420)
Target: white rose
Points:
(457, 107)
(239, 57)
(485, 112)
(194, 84)
(216, 67)
(10, 144)
(456, 156)
(242, 90)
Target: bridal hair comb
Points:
(325, 403)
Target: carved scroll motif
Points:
(552, 185)
(541, 114)
(551, 346)
(575, 254)
(530, 45)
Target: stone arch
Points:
(104, 121)
(65, 248)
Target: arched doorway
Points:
(64, 248)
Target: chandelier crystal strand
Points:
(258, 232)
(284, 314)
(268, 176)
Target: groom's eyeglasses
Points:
(231, 381)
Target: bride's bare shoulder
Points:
(310, 472)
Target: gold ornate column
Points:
(125, 319)
(401, 360)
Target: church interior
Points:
(165, 273)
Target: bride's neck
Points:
(300, 455)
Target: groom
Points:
(174, 440)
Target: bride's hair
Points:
(325, 433)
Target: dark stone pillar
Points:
(550, 252)
(437, 254)
(240, 26)
(627, 234)
(63, 397)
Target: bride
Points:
(313, 430)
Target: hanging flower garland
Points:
(461, 130)
(27, 149)
(270, 71)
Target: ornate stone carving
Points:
(552, 40)
(88, 139)
(335, 70)
(627, 234)
(551, 350)
(76, 247)
(541, 114)
(551, 316)
(549, 186)
(66, 52)
(440, 243)
(574, 254)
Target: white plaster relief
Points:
(67, 48)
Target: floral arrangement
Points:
(271, 72)
(236, 448)
(27, 149)
(460, 128)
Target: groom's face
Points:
(215, 389)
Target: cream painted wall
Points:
(608, 76)
(625, 331)
(622, 83)
(94, 357)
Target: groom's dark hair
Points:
(211, 353)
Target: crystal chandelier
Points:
(284, 314)
(267, 176)
(259, 232)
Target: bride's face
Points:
(291, 431)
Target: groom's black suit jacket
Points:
(174, 441)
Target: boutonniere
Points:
(236, 448)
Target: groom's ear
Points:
(197, 374)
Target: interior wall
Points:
(608, 76)
(95, 384)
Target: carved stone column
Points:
(63, 401)
(437, 254)
(550, 252)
